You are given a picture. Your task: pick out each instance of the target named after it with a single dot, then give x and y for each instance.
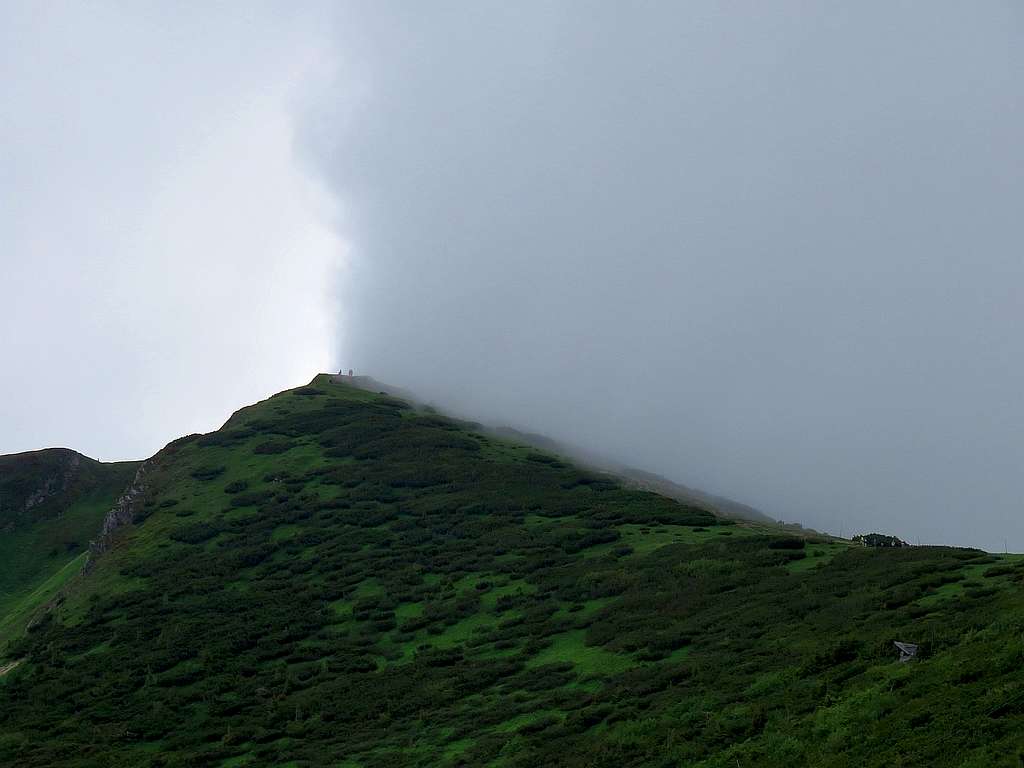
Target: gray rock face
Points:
(121, 515)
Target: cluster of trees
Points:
(879, 540)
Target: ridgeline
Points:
(338, 578)
(52, 504)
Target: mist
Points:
(769, 250)
(164, 259)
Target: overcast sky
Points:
(772, 250)
(163, 259)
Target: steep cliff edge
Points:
(122, 514)
(52, 504)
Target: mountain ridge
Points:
(336, 577)
(642, 479)
(52, 503)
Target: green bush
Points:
(194, 534)
(208, 472)
(787, 542)
(274, 446)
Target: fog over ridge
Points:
(772, 252)
(769, 250)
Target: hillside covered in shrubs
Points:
(335, 578)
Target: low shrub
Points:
(208, 472)
(274, 446)
(787, 542)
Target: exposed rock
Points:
(122, 514)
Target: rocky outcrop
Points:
(123, 513)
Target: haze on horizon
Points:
(769, 250)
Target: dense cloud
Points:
(770, 250)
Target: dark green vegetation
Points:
(335, 579)
(879, 540)
(52, 503)
(635, 478)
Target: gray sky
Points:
(163, 259)
(768, 249)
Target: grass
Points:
(589, 661)
(818, 555)
(19, 614)
(969, 576)
(43, 548)
(459, 633)
(525, 719)
(514, 588)
(645, 539)
(336, 579)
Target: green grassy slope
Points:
(334, 579)
(52, 504)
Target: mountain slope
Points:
(632, 477)
(638, 478)
(334, 578)
(52, 503)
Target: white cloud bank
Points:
(164, 258)
(772, 250)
